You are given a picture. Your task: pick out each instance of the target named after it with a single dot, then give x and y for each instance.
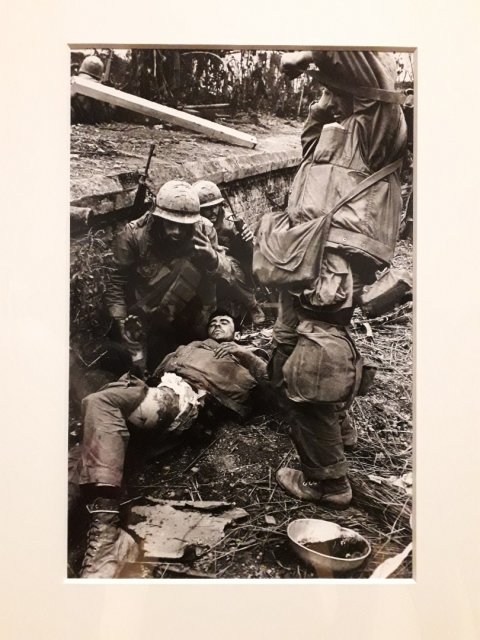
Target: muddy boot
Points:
(335, 493)
(256, 314)
(101, 557)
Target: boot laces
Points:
(94, 541)
(313, 484)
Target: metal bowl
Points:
(327, 547)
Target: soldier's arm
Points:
(256, 366)
(358, 68)
(123, 261)
(224, 267)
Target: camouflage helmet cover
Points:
(178, 202)
(208, 193)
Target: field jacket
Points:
(149, 274)
(226, 379)
(337, 156)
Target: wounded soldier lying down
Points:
(203, 373)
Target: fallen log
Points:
(151, 109)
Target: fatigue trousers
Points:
(106, 434)
(319, 431)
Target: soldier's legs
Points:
(316, 433)
(316, 428)
(317, 436)
(104, 446)
(285, 338)
(105, 440)
(348, 429)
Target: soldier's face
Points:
(342, 106)
(175, 232)
(213, 213)
(221, 329)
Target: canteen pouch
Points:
(323, 367)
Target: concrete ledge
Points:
(107, 194)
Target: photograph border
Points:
(443, 600)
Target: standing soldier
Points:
(238, 240)
(340, 227)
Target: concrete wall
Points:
(91, 251)
(249, 197)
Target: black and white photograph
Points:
(239, 320)
(241, 312)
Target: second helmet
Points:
(208, 193)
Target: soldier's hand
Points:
(326, 99)
(130, 329)
(323, 104)
(295, 62)
(228, 348)
(247, 235)
(204, 250)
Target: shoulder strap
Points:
(367, 182)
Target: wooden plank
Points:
(118, 98)
(220, 105)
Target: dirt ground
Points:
(237, 463)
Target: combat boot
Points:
(335, 493)
(101, 556)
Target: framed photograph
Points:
(226, 472)
(193, 175)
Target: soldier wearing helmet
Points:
(345, 202)
(83, 109)
(237, 240)
(166, 265)
(92, 67)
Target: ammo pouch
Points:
(325, 365)
(172, 292)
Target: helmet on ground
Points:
(92, 66)
(177, 201)
(208, 193)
